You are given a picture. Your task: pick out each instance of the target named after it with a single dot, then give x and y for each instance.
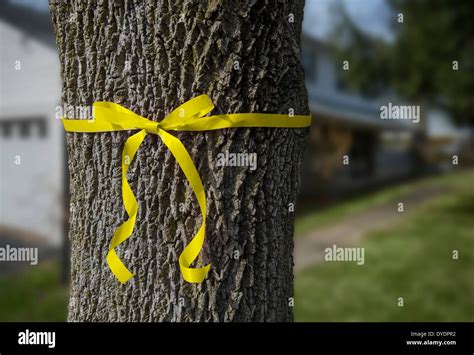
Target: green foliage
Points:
(419, 62)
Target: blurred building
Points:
(444, 141)
(31, 139)
(346, 126)
(350, 147)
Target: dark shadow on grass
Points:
(462, 207)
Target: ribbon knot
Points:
(190, 116)
(152, 127)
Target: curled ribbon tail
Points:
(123, 232)
(192, 250)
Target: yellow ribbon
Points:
(190, 116)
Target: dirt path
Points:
(309, 249)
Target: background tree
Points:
(430, 37)
(152, 56)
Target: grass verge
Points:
(412, 260)
(323, 217)
(35, 295)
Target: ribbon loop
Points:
(190, 116)
(192, 109)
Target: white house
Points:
(31, 138)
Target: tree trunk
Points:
(152, 56)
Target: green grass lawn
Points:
(323, 217)
(35, 295)
(413, 259)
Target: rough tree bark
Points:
(152, 56)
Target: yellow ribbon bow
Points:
(190, 116)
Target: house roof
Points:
(34, 24)
(332, 109)
(348, 108)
